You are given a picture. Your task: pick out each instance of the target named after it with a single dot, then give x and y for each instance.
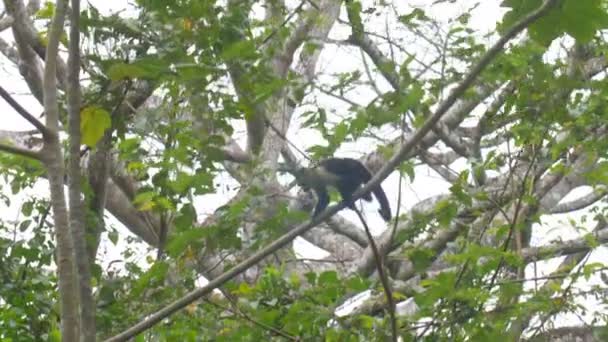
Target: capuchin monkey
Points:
(344, 174)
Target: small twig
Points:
(240, 313)
(382, 275)
(282, 136)
(547, 277)
(291, 15)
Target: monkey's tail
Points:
(385, 208)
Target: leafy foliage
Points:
(27, 290)
(532, 125)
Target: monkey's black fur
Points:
(346, 175)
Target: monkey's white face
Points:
(315, 178)
(304, 178)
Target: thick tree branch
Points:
(6, 22)
(563, 248)
(31, 36)
(76, 206)
(9, 52)
(53, 158)
(29, 64)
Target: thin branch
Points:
(563, 248)
(235, 309)
(555, 276)
(24, 113)
(284, 23)
(382, 275)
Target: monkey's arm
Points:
(322, 201)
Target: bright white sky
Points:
(483, 18)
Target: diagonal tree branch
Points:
(581, 202)
(29, 64)
(24, 113)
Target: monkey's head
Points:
(304, 178)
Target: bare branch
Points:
(563, 248)
(343, 227)
(378, 259)
(581, 202)
(384, 64)
(29, 64)
(234, 153)
(6, 22)
(24, 113)
(9, 51)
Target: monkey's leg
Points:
(347, 189)
(322, 202)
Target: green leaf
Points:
(366, 322)
(94, 121)
(445, 212)
(311, 278)
(55, 335)
(328, 277)
(154, 276)
(240, 50)
(46, 11)
(580, 19)
(113, 236)
(178, 244)
(599, 174)
(421, 257)
(145, 200)
(121, 71)
(185, 217)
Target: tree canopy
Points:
(149, 193)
